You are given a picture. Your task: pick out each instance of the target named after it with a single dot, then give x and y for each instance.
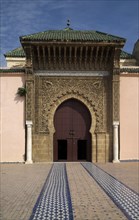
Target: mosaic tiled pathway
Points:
(54, 202)
(126, 199)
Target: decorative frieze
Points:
(72, 57)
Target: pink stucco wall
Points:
(12, 119)
(129, 117)
(12, 126)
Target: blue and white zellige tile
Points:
(54, 202)
(125, 198)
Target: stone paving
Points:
(125, 198)
(126, 172)
(88, 200)
(21, 185)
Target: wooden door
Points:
(72, 140)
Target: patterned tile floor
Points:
(54, 202)
(89, 201)
(67, 191)
(125, 198)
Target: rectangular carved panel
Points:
(29, 99)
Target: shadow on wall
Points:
(21, 99)
(18, 98)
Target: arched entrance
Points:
(72, 140)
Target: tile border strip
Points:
(108, 193)
(116, 179)
(68, 194)
(41, 194)
(56, 171)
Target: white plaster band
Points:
(72, 73)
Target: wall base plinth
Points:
(116, 161)
(29, 162)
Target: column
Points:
(54, 55)
(81, 52)
(75, 57)
(70, 52)
(86, 54)
(65, 57)
(106, 57)
(96, 58)
(115, 142)
(29, 143)
(39, 59)
(91, 57)
(44, 57)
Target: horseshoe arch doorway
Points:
(72, 139)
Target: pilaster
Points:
(115, 142)
(29, 143)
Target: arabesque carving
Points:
(52, 89)
(116, 96)
(29, 100)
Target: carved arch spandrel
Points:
(53, 109)
(52, 90)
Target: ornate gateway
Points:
(72, 82)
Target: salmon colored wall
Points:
(12, 119)
(12, 128)
(129, 117)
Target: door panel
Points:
(72, 123)
(82, 149)
(62, 149)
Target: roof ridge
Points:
(110, 35)
(17, 52)
(72, 35)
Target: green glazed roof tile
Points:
(125, 55)
(18, 52)
(72, 35)
(129, 70)
(12, 70)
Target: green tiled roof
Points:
(129, 70)
(72, 35)
(125, 55)
(18, 52)
(12, 70)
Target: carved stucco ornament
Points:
(52, 89)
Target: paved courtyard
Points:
(80, 191)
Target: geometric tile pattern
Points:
(126, 199)
(54, 202)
